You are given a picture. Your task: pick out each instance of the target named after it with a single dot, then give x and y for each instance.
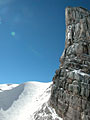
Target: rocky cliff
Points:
(70, 94)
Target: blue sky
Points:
(32, 38)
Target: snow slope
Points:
(23, 102)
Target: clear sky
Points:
(32, 38)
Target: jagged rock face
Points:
(46, 112)
(70, 95)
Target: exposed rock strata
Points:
(70, 94)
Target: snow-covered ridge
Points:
(20, 102)
(7, 86)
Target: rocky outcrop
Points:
(45, 111)
(70, 94)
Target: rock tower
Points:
(70, 94)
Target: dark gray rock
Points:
(70, 94)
